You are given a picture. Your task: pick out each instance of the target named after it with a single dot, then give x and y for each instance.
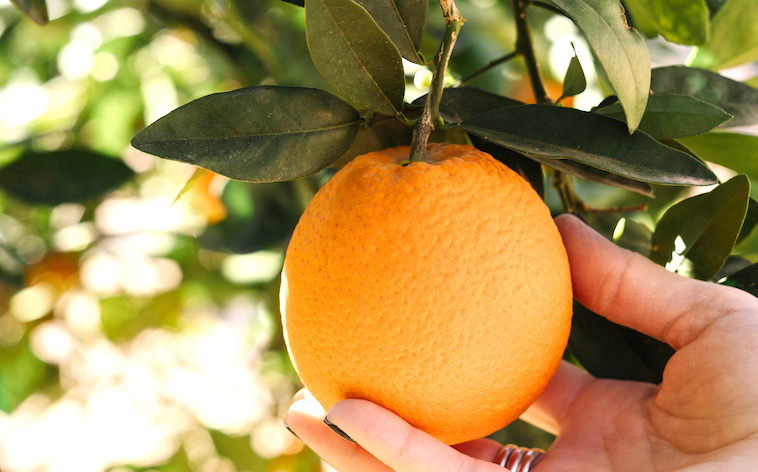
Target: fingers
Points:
(400, 446)
(630, 290)
(387, 443)
(306, 420)
(548, 412)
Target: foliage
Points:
(98, 265)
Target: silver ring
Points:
(518, 459)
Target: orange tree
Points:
(659, 158)
(656, 130)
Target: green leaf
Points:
(738, 152)
(354, 55)
(404, 22)
(63, 176)
(707, 227)
(593, 174)
(621, 51)
(734, 37)
(257, 134)
(574, 81)
(36, 10)
(670, 116)
(679, 21)
(461, 103)
(611, 351)
(589, 138)
(738, 99)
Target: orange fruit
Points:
(438, 289)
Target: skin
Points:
(703, 417)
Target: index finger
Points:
(632, 291)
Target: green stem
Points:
(431, 113)
(491, 65)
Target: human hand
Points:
(702, 417)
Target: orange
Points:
(438, 289)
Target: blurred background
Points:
(139, 327)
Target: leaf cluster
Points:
(659, 127)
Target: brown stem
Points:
(524, 46)
(431, 113)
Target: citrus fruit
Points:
(437, 289)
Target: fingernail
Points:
(339, 432)
(290, 430)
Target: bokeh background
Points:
(139, 325)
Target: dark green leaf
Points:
(354, 55)
(574, 82)
(707, 226)
(589, 138)
(621, 51)
(738, 152)
(526, 167)
(63, 176)
(404, 22)
(257, 134)
(34, 9)
(679, 21)
(593, 174)
(300, 3)
(734, 37)
(461, 103)
(715, 5)
(745, 279)
(731, 265)
(670, 116)
(611, 351)
(737, 99)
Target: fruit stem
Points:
(431, 114)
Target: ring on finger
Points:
(518, 459)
